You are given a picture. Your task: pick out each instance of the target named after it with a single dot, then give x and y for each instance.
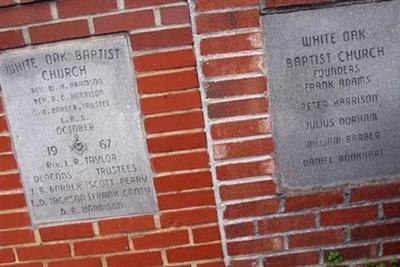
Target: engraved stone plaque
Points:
(77, 130)
(335, 93)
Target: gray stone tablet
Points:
(77, 130)
(335, 93)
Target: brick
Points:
(321, 199)
(171, 102)
(7, 255)
(317, 238)
(188, 217)
(252, 208)
(187, 161)
(347, 216)
(162, 39)
(59, 31)
(237, 108)
(9, 182)
(7, 162)
(239, 230)
(244, 263)
(234, 65)
(11, 39)
(247, 86)
(26, 14)
(4, 3)
(124, 225)
(136, 260)
(101, 246)
(44, 252)
(376, 192)
(243, 149)
(175, 15)
(231, 43)
(212, 264)
(167, 82)
(14, 220)
(287, 223)
(215, 22)
(5, 144)
(161, 240)
(241, 128)
(88, 262)
(176, 122)
(3, 124)
(247, 190)
(143, 3)
(32, 264)
(298, 259)
(206, 234)
(12, 201)
(1, 42)
(64, 232)
(178, 182)
(165, 60)
(391, 209)
(124, 21)
(16, 237)
(186, 200)
(200, 252)
(375, 231)
(71, 8)
(282, 3)
(176, 142)
(204, 5)
(391, 248)
(255, 246)
(243, 170)
(355, 252)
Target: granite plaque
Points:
(335, 93)
(77, 130)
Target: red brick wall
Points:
(263, 225)
(185, 231)
(203, 91)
